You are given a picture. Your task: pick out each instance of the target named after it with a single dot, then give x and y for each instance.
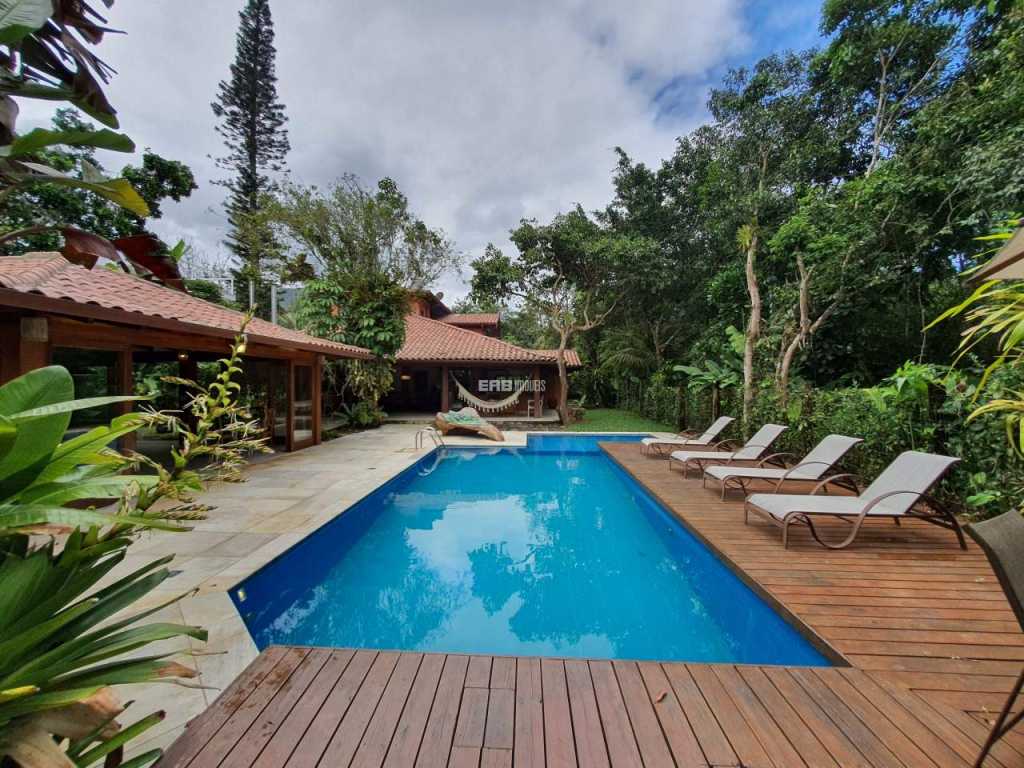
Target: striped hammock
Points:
(490, 406)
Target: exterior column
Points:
(318, 394)
(538, 409)
(289, 423)
(125, 386)
(445, 397)
(34, 346)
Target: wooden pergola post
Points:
(125, 386)
(445, 397)
(537, 409)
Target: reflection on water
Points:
(516, 552)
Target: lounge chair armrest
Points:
(728, 445)
(775, 458)
(689, 433)
(795, 467)
(832, 478)
(875, 501)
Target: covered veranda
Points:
(442, 367)
(118, 334)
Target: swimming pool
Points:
(548, 550)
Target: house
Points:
(452, 358)
(109, 328)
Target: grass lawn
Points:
(614, 420)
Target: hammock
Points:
(490, 406)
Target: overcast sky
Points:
(483, 112)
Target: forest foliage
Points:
(827, 211)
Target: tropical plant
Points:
(718, 376)
(62, 647)
(56, 660)
(214, 443)
(995, 314)
(40, 475)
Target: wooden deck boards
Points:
(932, 645)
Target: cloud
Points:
(483, 112)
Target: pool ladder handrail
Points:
(434, 435)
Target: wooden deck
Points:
(931, 643)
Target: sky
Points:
(484, 112)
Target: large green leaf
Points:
(8, 434)
(40, 701)
(69, 406)
(40, 138)
(119, 191)
(18, 516)
(58, 494)
(20, 18)
(13, 648)
(31, 448)
(88, 448)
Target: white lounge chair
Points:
(901, 487)
(810, 468)
(752, 450)
(656, 445)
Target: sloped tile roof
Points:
(572, 357)
(435, 341)
(52, 276)
(476, 318)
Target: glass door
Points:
(303, 410)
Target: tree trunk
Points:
(804, 332)
(563, 379)
(753, 329)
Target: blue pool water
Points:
(546, 550)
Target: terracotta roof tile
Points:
(429, 340)
(476, 318)
(52, 276)
(572, 357)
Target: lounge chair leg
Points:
(845, 542)
(1004, 723)
(897, 521)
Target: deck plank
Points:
(649, 737)
(409, 734)
(319, 732)
(287, 737)
(591, 751)
(199, 732)
(680, 736)
(528, 751)
(347, 738)
(619, 737)
(374, 744)
(229, 734)
(444, 714)
(559, 749)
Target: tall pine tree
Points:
(252, 124)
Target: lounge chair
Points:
(656, 445)
(1002, 539)
(752, 450)
(811, 468)
(901, 487)
(466, 420)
